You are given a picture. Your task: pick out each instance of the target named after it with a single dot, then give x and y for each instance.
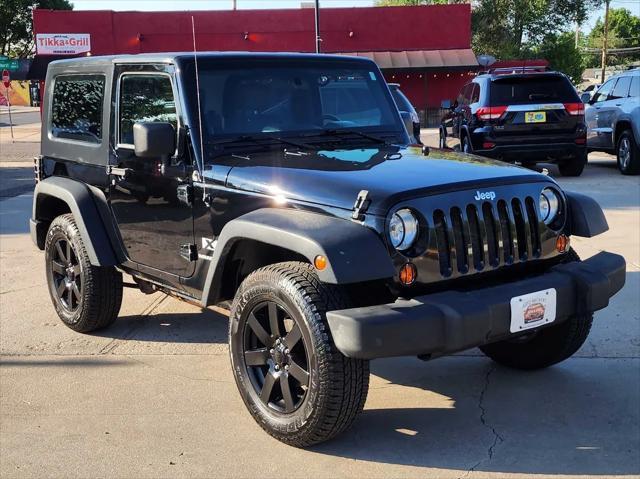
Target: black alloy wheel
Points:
(66, 274)
(295, 383)
(85, 296)
(276, 357)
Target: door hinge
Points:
(189, 252)
(361, 205)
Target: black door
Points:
(148, 194)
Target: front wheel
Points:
(628, 154)
(544, 347)
(295, 383)
(86, 297)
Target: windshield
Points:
(290, 98)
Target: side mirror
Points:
(446, 104)
(585, 97)
(154, 139)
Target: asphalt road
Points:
(153, 396)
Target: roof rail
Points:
(515, 70)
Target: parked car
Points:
(526, 117)
(300, 209)
(613, 120)
(407, 112)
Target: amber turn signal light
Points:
(320, 262)
(408, 274)
(562, 243)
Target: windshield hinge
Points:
(189, 252)
(361, 205)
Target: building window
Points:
(76, 112)
(145, 98)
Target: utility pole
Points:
(318, 39)
(604, 41)
(234, 4)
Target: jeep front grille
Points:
(475, 237)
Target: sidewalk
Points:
(4, 110)
(24, 145)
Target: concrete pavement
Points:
(153, 396)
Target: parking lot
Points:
(153, 396)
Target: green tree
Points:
(512, 28)
(16, 24)
(624, 32)
(563, 55)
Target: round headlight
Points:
(403, 229)
(549, 205)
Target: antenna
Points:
(195, 61)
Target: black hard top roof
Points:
(171, 57)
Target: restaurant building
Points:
(426, 49)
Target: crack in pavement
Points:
(497, 438)
(115, 342)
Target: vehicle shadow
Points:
(492, 419)
(201, 326)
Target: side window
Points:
(634, 91)
(76, 111)
(145, 98)
(475, 94)
(603, 93)
(621, 90)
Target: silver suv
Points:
(613, 120)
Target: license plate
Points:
(535, 116)
(533, 310)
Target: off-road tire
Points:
(100, 290)
(573, 166)
(337, 386)
(547, 346)
(632, 164)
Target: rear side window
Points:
(145, 98)
(621, 90)
(635, 86)
(531, 89)
(76, 112)
(402, 102)
(475, 94)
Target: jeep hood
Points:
(335, 177)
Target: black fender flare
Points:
(354, 252)
(586, 217)
(91, 214)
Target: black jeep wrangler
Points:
(281, 187)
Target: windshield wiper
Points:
(260, 141)
(345, 131)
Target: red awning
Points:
(461, 58)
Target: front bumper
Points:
(451, 321)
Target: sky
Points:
(159, 5)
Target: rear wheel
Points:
(628, 154)
(86, 297)
(295, 383)
(544, 347)
(573, 166)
